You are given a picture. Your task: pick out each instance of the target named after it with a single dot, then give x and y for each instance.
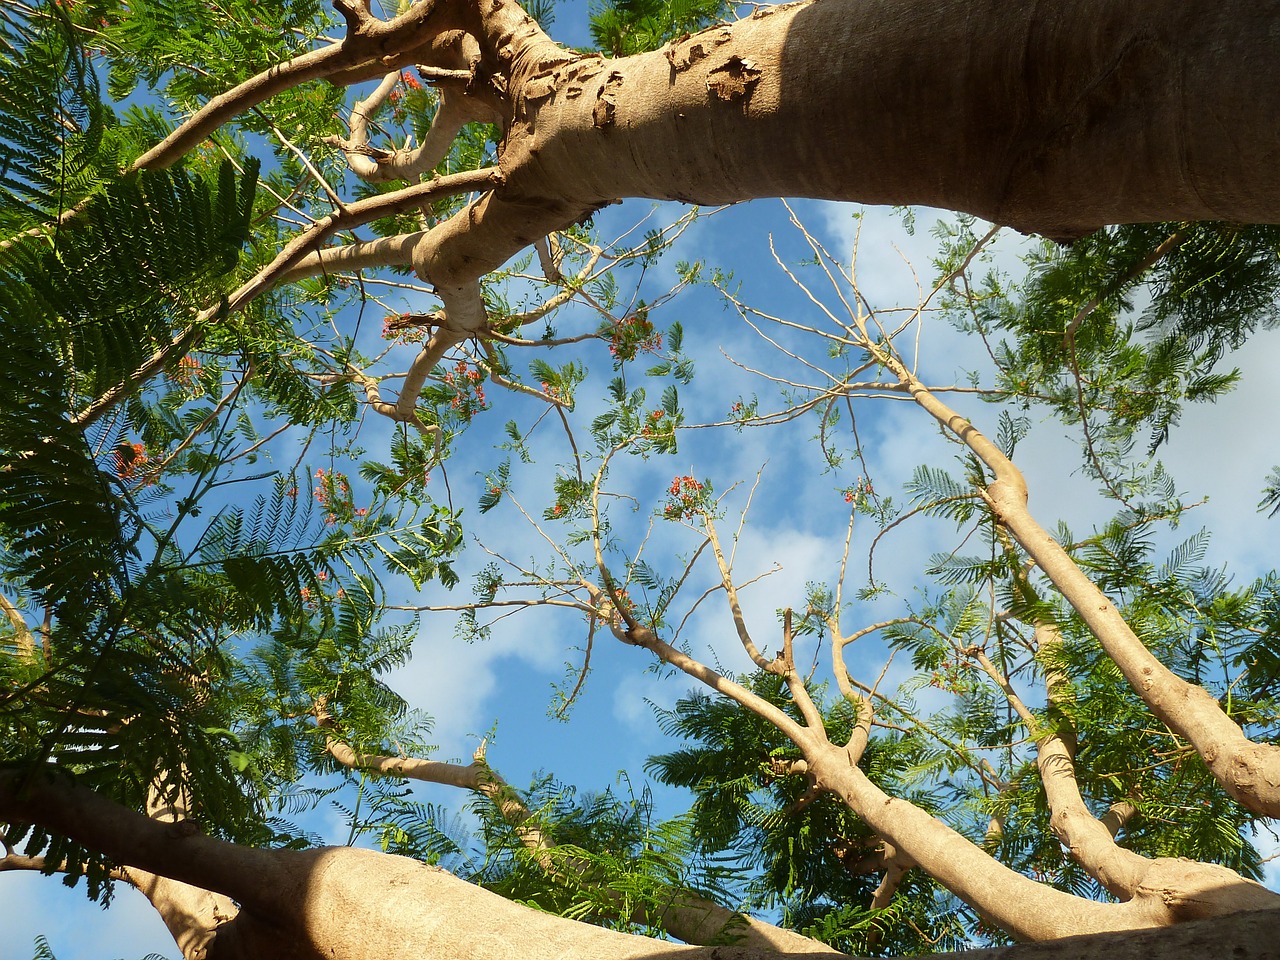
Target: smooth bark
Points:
(683, 915)
(350, 904)
(1052, 118)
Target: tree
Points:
(179, 659)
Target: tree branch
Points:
(684, 915)
(373, 39)
(299, 257)
(1090, 843)
(1250, 772)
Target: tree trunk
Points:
(1052, 118)
(341, 903)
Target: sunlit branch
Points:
(26, 641)
(454, 110)
(683, 915)
(1090, 842)
(371, 39)
(735, 607)
(795, 683)
(292, 261)
(710, 591)
(1240, 765)
(310, 167)
(549, 257)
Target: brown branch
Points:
(298, 258)
(258, 879)
(455, 110)
(327, 903)
(26, 642)
(1172, 890)
(735, 607)
(895, 865)
(1118, 815)
(1089, 842)
(684, 915)
(387, 41)
(1169, 244)
(1249, 771)
(371, 39)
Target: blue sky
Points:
(796, 526)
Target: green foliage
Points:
(625, 27)
(1123, 327)
(207, 593)
(608, 860)
(804, 851)
(178, 653)
(200, 51)
(49, 83)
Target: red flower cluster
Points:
(686, 497)
(633, 334)
(860, 491)
(951, 678)
(395, 326)
(625, 602)
(189, 369)
(396, 97)
(334, 492)
(654, 424)
(130, 461)
(468, 386)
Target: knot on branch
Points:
(356, 13)
(182, 829)
(640, 636)
(354, 149)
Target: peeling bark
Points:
(1052, 120)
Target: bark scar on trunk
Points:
(606, 100)
(681, 62)
(685, 51)
(734, 79)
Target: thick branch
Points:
(375, 39)
(258, 879)
(685, 916)
(191, 914)
(327, 904)
(1091, 844)
(1171, 891)
(1027, 909)
(1250, 772)
(1090, 841)
(455, 110)
(1052, 124)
